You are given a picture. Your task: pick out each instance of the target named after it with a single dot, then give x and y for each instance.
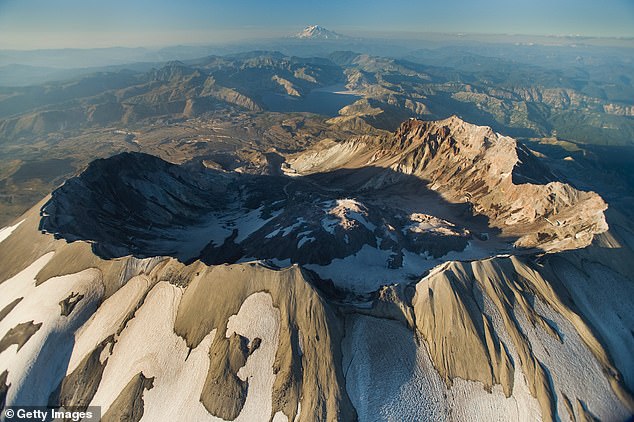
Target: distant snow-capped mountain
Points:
(316, 32)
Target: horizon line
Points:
(461, 35)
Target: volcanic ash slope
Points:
(175, 322)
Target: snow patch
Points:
(251, 222)
(390, 377)
(346, 213)
(258, 318)
(6, 231)
(40, 365)
(149, 345)
(280, 417)
(286, 230)
(304, 240)
(107, 319)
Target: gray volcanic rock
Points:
(472, 193)
(137, 204)
(128, 203)
(408, 302)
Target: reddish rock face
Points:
(493, 174)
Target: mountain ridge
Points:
(239, 331)
(316, 32)
(473, 165)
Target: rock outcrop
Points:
(439, 273)
(494, 175)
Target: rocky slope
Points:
(492, 174)
(137, 204)
(393, 278)
(134, 320)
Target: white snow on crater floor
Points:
(250, 222)
(346, 213)
(367, 270)
(285, 231)
(189, 241)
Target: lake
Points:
(326, 101)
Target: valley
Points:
(264, 100)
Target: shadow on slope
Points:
(137, 204)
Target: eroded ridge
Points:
(419, 276)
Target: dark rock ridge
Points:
(466, 184)
(126, 203)
(137, 204)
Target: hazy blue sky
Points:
(87, 23)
